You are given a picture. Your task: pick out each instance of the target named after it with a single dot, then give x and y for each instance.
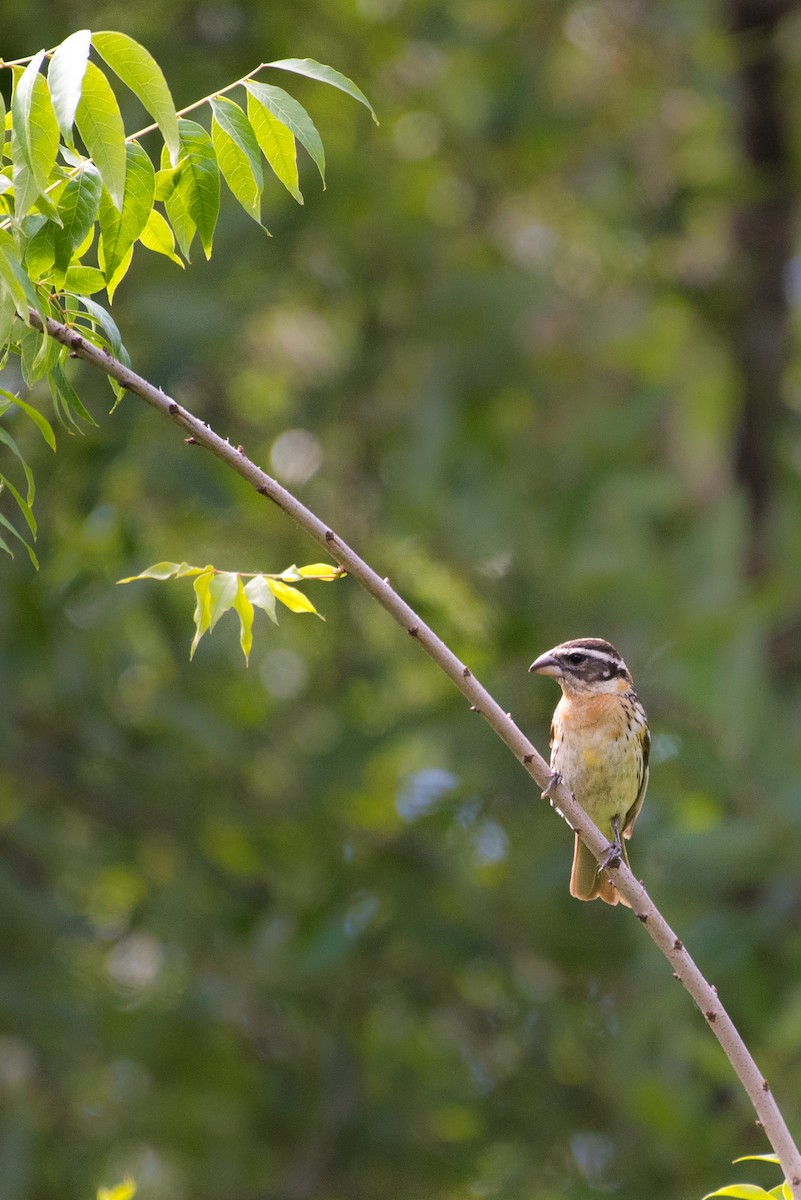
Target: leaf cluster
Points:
(218, 592)
(78, 195)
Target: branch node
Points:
(413, 632)
(263, 490)
(765, 1085)
(473, 708)
(330, 536)
(642, 917)
(466, 672)
(386, 581)
(678, 945)
(190, 441)
(676, 975)
(76, 341)
(172, 408)
(711, 1017)
(240, 449)
(528, 758)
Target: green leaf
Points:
(244, 609)
(65, 79)
(292, 114)
(138, 69)
(6, 524)
(158, 236)
(8, 315)
(24, 505)
(238, 154)
(40, 421)
(40, 252)
(100, 125)
(16, 278)
(162, 570)
(202, 607)
(78, 208)
(105, 322)
(277, 144)
(322, 571)
(741, 1191)
(35, 127)
(123, 1191)
(66, 400)
(120, 229)
(36, 355)
(316, 70)
(85, 281)
(9, 441)
(294, 600)
(196, 197)
(260, 594)
(222, 594)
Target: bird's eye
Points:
(576, 659)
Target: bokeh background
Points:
(303, 930)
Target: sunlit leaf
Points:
(222, 593)
(260, 594)
(123, 1191)
(78, 207)
(120, 229)
(292, 114)
(322, 571)
(740, 1191)
(65, 79)
(244, 609)
(158, 237)
(291, 597)
(317, 70)
(100, 125)
(137, 68)
(196, 197)
(238, 154)
(202, 617)
(34, 122)
(84, 281)
(277, 144)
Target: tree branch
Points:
(685, 970)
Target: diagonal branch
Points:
(685, 970)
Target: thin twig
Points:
(685, 970)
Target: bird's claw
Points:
(553, 784)
(612, 859)
(614, 855)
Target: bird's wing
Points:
(633, 813)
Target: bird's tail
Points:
(589, 882)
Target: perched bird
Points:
(599, 748)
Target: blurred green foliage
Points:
(303, 930)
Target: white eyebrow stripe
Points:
(602, 655)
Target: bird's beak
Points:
(546, 664)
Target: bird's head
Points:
(585, 665)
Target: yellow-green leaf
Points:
(84, 281)
(138, 69)
(244, 609)
(294, 600)
(158, 237)
(317, 70)
(322, 571)
(162, 570)
(260, 594)
(35, 127)
(202, 606)
(277, 144)
(237, 154)
(292, 114)
(123, 1191)
(65, 78)
(100, 125)
(222, 593)
(120, 228)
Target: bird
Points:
(600, 744)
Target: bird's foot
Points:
(614, 855)
(553, 784)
